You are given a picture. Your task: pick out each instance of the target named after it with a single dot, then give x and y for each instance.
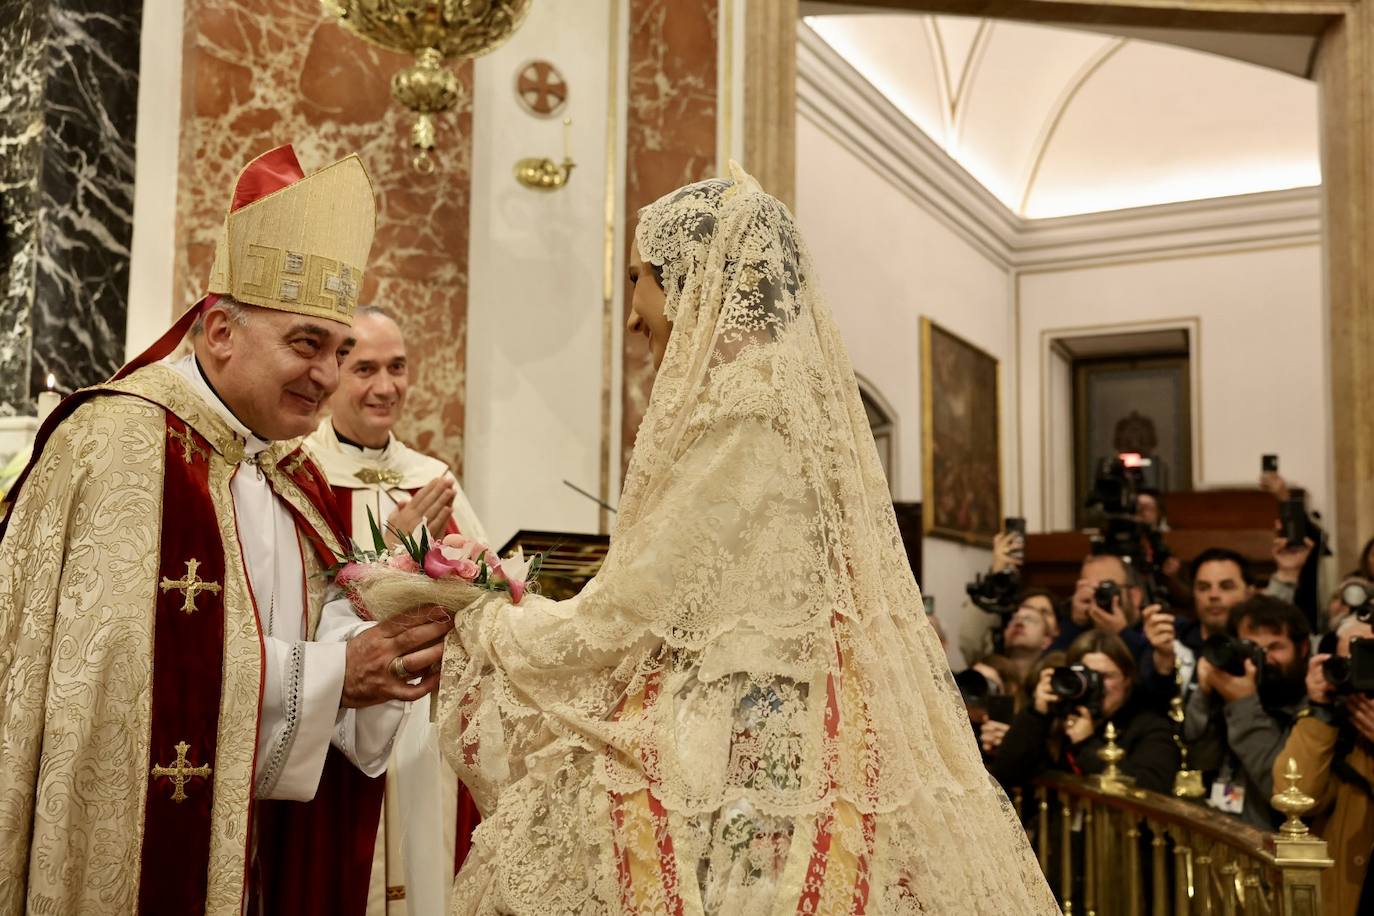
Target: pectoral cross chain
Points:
(190, 585)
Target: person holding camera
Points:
(1108, 598)
(1250, 686)
(1222, 579)
(1332, 743)
(1062, 729)
(986, 615)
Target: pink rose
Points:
(444, 562)
(404, 562)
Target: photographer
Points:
(1030, 631)
(994, 598)
(1063, 727)
(1250, 685)
(993, 692)
(1332, 742)
(1222, 579)
(1107, 598)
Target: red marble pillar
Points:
(670, 140)
(259, 73)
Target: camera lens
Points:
(1227, 653)
(1336, 670)
(1104, 593)
(1068, 683)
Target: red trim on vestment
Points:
(312, 483)
(187, 678)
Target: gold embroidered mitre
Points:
(302, 247)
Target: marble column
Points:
(770, 96)
(68, 106)
(1345, 69)
(670, 140)
(259, 73)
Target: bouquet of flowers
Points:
(450, 573)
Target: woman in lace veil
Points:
(746, 711)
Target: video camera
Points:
(1227, 653)
(1116, 493)
(1354, 674)
(1074, 686)
(996, 592)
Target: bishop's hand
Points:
(372, 672)
(431, 504)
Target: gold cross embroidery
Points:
(190, 585)
(293, 467)
(375, 476)
(189, 449)
(181, 773)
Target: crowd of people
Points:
(1258, 680)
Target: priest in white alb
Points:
(188, 723)
(428, 816)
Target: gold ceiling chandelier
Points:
(435, 31)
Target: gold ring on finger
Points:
(398, 668)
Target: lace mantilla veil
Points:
(746, 711)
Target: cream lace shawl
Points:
(746, 711)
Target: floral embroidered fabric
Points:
(746, 711)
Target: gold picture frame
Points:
(961, 437)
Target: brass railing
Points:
(1109, 849)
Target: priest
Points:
(428, 816)
(176, 685)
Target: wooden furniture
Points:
(1242, 520)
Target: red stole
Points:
(188, 649)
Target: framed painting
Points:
(961, 432)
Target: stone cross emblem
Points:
(541, 89)
(190, 585)
(181, 773)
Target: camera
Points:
(1105, 593)
(1354, 674)
(1074, 686)
(1227, 653)
(996, 592)
(1293, 517)
(1358, 595)
(982, 698)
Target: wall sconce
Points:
(543, 174)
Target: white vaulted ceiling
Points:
(1057, 121)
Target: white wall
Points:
(534, 363)
(1259, 360)
(884, 262)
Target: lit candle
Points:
(48, 400)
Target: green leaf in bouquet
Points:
(378, 542)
